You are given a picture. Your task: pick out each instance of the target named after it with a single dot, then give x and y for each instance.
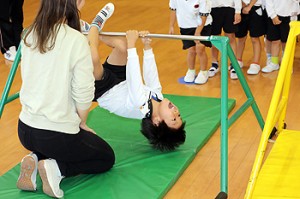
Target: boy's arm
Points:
(136, 97)
(150, 72)
(172, 5)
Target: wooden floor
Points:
(202, 178)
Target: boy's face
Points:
(170, 114)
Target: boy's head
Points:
(165, 129)
(161, 136)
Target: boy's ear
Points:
(156, 121)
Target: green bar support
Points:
(5, 99)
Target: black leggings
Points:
(81, 153)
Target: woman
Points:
(56, 94)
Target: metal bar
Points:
(161, 36)
(240, 111)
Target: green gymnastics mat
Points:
(140, 171)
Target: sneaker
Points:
(190, 76)
(253, 69)
(51, 177)
(270, 68)
(202, 77)
(103, 15)
(213, 70)
(10, 54)
(27, 177)
(85, 27)
(233, 74)
(241, 63)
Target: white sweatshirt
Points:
(56, 83)
(188, 12)
(236, 4)
(257, 3)
(288, 8)
(129, 98)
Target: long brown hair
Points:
(51, 15)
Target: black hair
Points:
(161, 136)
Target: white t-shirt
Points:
(56, 83)
(188, 12)
(284, 9)
(129, 98)
(236, 4)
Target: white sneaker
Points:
(27, 177)
(51, 177)
(10, 54)
(85, 27)
(190, 76)
(253, 69)
(233, 74)
(103, 15)
(270, 68)
(241, 63)
(213, 70)
(202, 77)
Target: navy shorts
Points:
(254, 23)
(206, 31)
(223, 18)
(112, 75)
(278, 32)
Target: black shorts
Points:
(112, 75)
(278, 32)
(223, 18)
(206, 31)
(254, 22)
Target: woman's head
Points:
(51, 15)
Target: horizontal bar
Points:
(161, 36)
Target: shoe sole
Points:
(46, 186)
(28, 169)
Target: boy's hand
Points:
(132, 36)
(146, 40)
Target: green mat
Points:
(140, 171)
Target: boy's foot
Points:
(27, 177)
(103, 15)
(270, 68)
(85, 27)
(241, 64)
(51, 177)
(202, 77)
(253, 69)
(10, 54)
(190, 76)
(213, 70)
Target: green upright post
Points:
(5, 99)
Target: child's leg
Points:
(118, 55)
(191, 57)
(232, 41)
(240, 48)
(94, 44)
(202, 56)
(256, 49)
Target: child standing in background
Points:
(226, 15)
(280, 14)
(252, 21)
(193, 18)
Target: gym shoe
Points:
(270, 68)
(190, 76)
(202, 77)
(51, 177)
(10, 54)
(27, 177)
(233, 74)
(241, 63)
(213, 70)
(253, 69)
(103, 15)
(85, 27)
